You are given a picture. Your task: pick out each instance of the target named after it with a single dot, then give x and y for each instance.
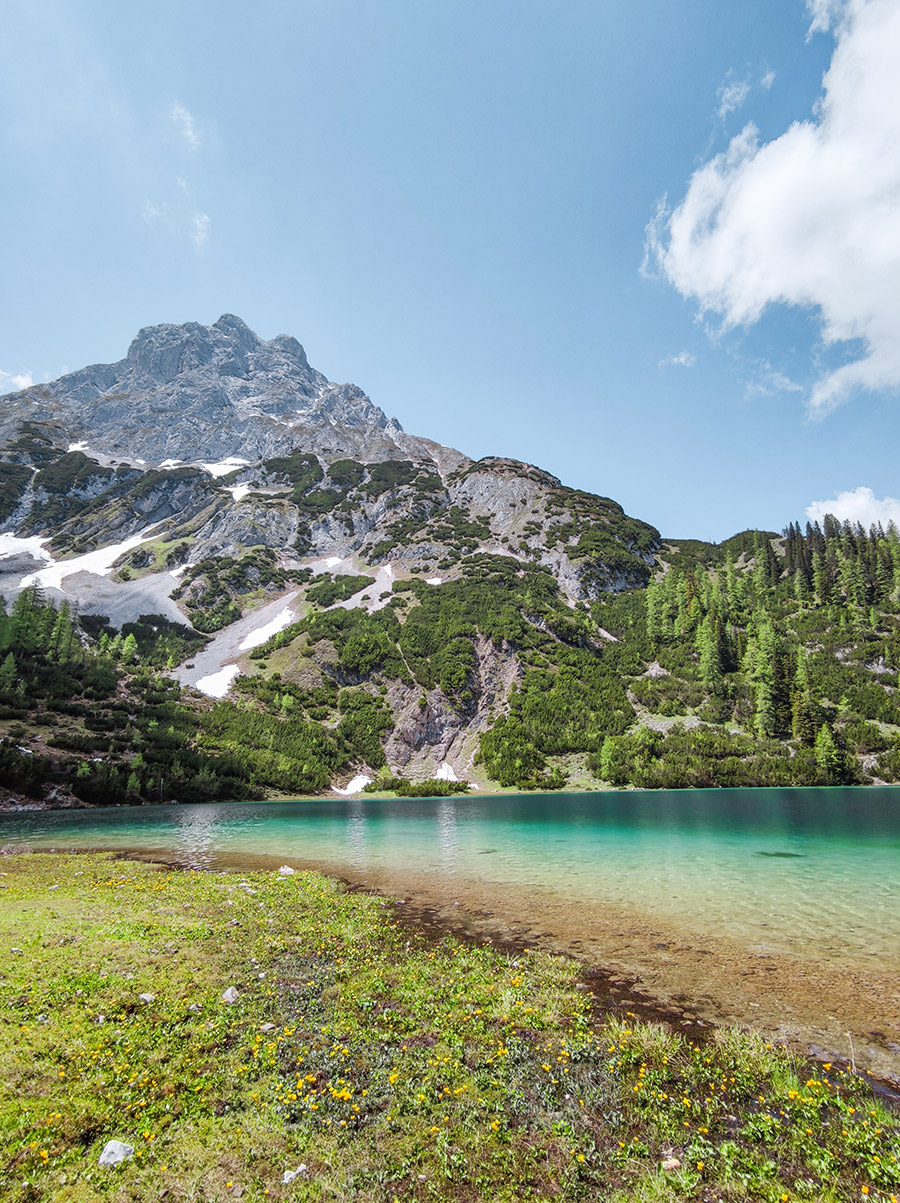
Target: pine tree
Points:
(8, 674)
(828, 754)
(709, 641)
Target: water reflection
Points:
(196, 838)
(447, 836)
(356, 833)
(800, 866)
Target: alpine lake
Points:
(779, 909)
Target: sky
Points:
(653, 248)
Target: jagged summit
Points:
(161, 353)
(192, 392)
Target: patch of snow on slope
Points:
(354, 787)
(238, 492)
(324, 565)
(181, 568)
(223, 467)
(13, 545)
(258, 637)
(77, 447)
(434, 580)
(216, 685)
(171, 463)
(446, 773)
(99, 562)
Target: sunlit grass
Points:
(390, 1066)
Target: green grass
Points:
(395, 1067)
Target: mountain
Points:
(211, 518)
(197, 393)
(231, 442)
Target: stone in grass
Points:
(147, 998)
(230, 995)
(114, 1152)
(290, 1175)
(670, 1163)
(286, 871)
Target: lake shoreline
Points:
(635, 963)
(235, 1031)
(12, 802)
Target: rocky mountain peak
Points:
(193, 393)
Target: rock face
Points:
(211, 476)
(220, 441)
(205, 393)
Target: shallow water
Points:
(811, 872)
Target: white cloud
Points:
(732, 95)
(826, 13)
(767, 80)
(769, 380)
(857, 505)
(185, 123)
(812, 218)
(11, 382)
(684, 359)
(152, 212)
(200, 225)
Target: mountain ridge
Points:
(327, 600)
(192, 393)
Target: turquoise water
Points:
(796, 870)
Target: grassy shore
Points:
(390, 1066)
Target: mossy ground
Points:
(395, 1067)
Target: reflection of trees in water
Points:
(196, 836)
(356, 832)
(447, 834)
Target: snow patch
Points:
(238, 492)
(13, 545)
(446, 773)
(257, 638)
(354, 787)
(171, 463)
(181, 568)
(324, 565)
(216, 685)
(77, 447)
(434, 580)
(223, 467)
(99, 562)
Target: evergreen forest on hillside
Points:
(764, 660)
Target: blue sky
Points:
(644, 247)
